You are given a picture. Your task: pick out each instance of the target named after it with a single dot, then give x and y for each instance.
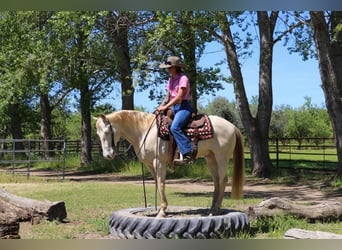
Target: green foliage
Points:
(275, 227)
(101, 165)
(175, 33)
(220, 106)
(279, 121)
(303, 122)
(73, 127)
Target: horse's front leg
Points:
(160, 175)
(213, 169)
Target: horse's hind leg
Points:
(220, 179)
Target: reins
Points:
(142, 165)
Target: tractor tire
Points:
(180, 223)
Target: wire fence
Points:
(315, 153)
(19, 155)
(15, 152)
(309, 153)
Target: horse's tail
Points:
(238, 167)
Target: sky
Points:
(293, 79)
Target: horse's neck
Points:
(133, 125)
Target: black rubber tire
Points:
(181, 223)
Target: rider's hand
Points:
(162, 108)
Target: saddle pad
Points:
(200, 132)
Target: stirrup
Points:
(184, 160)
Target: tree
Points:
(298, 124)
(35, 63)
(86, 64)
(328, 40)
(279, 121)
(257, 127)
(15, 90)
(117, 25)
(41, 71)
(176, 33)
(220, 106)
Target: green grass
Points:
(89, 204)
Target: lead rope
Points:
(142, 167)
(144, 188)
(156, 180)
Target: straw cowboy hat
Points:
(172, 61)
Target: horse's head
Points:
(105, 131)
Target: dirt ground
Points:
(308, 190)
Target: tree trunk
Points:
(85, 103)
(45, 125)
(325, 211)
(118, 29)
(124, 63)
(330, 64)
(15, 209)
(16, 128)
(257, 127)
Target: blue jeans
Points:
(182, 113)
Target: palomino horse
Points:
(140, 129)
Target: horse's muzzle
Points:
(109, 156)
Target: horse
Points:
(140, 130)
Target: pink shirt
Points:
(173, 84)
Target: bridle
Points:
(112, 137)
(113, 140)
(106, 122)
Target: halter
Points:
(112, 135)
(113, 141)
(144, 140)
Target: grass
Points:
(89, 204)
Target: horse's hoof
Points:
(161, 214)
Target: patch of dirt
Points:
(310, 191)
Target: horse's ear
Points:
(104, 119)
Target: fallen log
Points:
(325, 211)
(9, 225)
(30, 209)
(295, 233)
(15, 209)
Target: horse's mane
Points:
(134, 118)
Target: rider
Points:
(178, 98)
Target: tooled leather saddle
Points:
(199, 128)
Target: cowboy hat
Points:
(171, 61)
